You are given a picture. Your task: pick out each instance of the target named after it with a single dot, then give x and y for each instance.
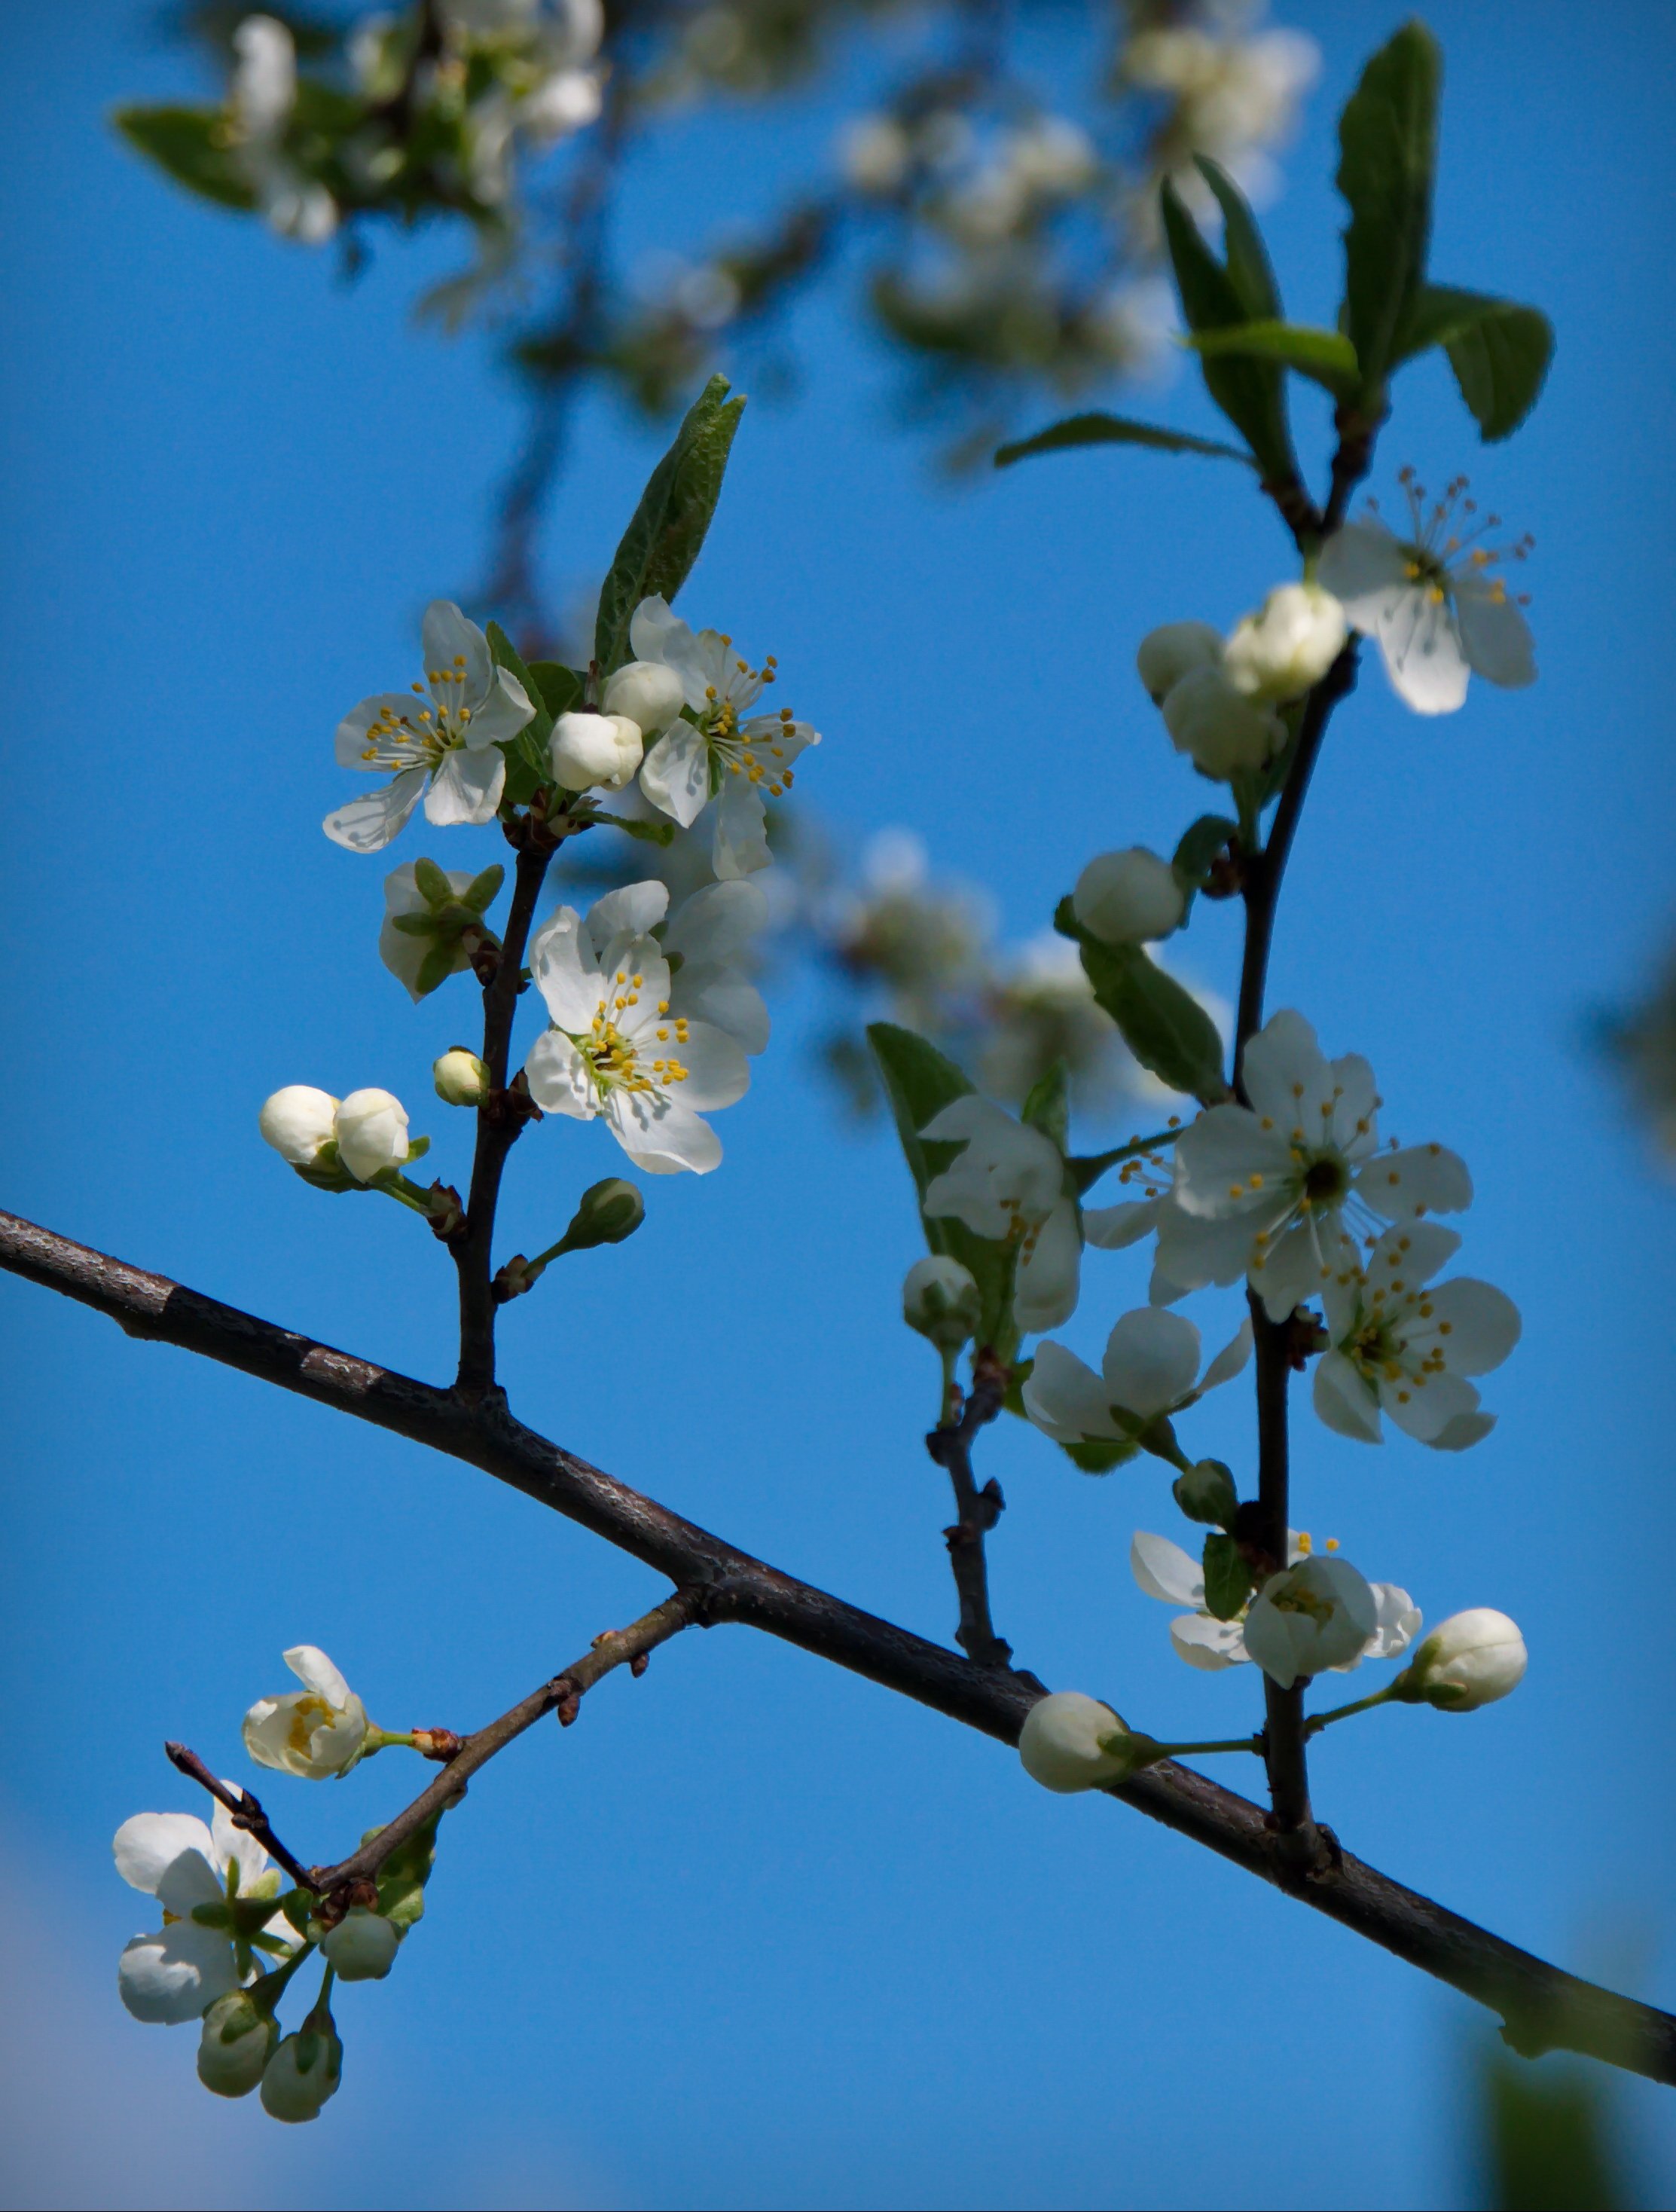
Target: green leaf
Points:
(1048, 1106)
(1164, 1026)
(1499, 351)
(432, 884)
(1201, 842)
(527, 765)
(484, 888)
(190, 144)
(1387, 135)
(1093, 1456)
(1019, 1375)
(558, 687)
(506, 656)
(1250, 393)
(1098, 429)
(663, 540)
(1249, 269)
(402, 1878)
(435, 968)
(653, 831)
(1227, 1578)
(1206, 1492)
(1324, 356)
(417, 1149)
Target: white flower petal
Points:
(560, 1079)
(1217, 1159)
(1419, 1179)
(1286, 1075)
(1164, 1571)
(1365, 568)
(1424, 1411)
(1193, 1253)
(1424, 657)
(316, 1672)
(1114, 1228)
(1483, 1324)
(383, 707)
(634, 910)
(717, 1071)
(1462, 1432)
(467, 786)
(1151, 1360)
(675, 776)
(1497, 641)
(175, 1975)
(1296, 1267)
(230, 1842)
(149, 1844)
(717, 923)
(498, 717)
(723, 999)
(1049, 1272)
(1065, 1399)
(562, 963)
(366, 825)
(1208, 1644)
(741, 845)
(661, 1134)
(1344, 1402)
(446, 635)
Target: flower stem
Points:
(1316, 1722)
(271, 1987)
(1230, 1743)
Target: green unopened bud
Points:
(361, 1947)
(1206, 1493)
(304, 2071)
(606, 1214)
(460, 1077)
(239, 2039)
(942, 1301)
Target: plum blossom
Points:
(1266, 1187)
(320, 1731)
(1072, 1741)
(1404, 1345)
(1148, 1374)
(723, 752)
(1310, 1619)
(1432, 598)
(260, 100)
(1469, 1660)
(217, 1890)
(707, 940)
(1007, 1183)
(453, 743)
(617, 1047)
(1165, 1572)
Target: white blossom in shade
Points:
(261, 96)
(297, 1121)
(1285, 648)
(405, 954)
(1174, 650)
(1267, 1188)
(1165, 1572)
(1222, 732)
(1130, 898)
(238, 2040)
(175, 1974)
(1007, 1183)
(461, 1078)
(941, 1300)
(1402, 1345)
(448, 738)
(316, 1733)
(1434, 598)
(723, 752)
(372, 1134)
(713, 934)
(1063, 1742)
(1318, 1615)
(1149, 1371)
(589, 751)
(615, 1046)
(362, 1946)
(1469, 1660)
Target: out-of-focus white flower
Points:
(1285, 648)
(1130, 898)
(1433, 598)
(260, 97)
(875, 152)
(318, 1732)
(1221, 731)
(1165, 1572)
(588, 750)
(372, 1134)
(1149, 1373)
(1174, 650)
(1008, 1183)
(297, 1121)
(1051, 156)
(1235, 95)
(1469, 1660)
(1309, 1617)
(1070, 1741)
(199, 1876)
(713, 935)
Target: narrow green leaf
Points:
(1112, 430)
(484, 888)
(1250, 393)
(1248, 265)
(559, 687)
(1499, 351)
(1387, 135)
(662, 539)
(1227, 1578)
(435, 968)
(654, 831)
(1164, 1026)
(527, 765)
(189, 144)
(1048, 1106)
(1322, 356)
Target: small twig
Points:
(246, 1812)
(976, 1513)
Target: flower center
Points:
(1326, 1180)
(1301, 1599)
(419, 738)
(616, 1061)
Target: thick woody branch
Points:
(1543, 2007)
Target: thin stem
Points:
(976, 1512)
(1232, 1744)
(1317, 1721)
(499, 1118)
(247, 1812)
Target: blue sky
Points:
(755, 1933)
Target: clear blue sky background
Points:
(755, 1933)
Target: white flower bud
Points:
(941, 1300)
(1219, 729)
(372, 1134)
(361, 1947)
(460, 1077)
(649, 694)
(297, 1121)
(1060, 1743)
(315, 1733)
(1287, 645)
(302, 2074)
(1469, 1660)
(595, 751)
(1129, 897)
(238, 2040)
(1168, 653)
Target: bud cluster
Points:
(1221, 699)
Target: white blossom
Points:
(875, 152)
(1130, 898)
(260, 98)
(723, 752)
(371, 1127)
(588, 750)
(1064, 1742)
(1149, 1373)
(650, 694)
(1222, 732)
(297, 1121)
(1266, 1189)
(451, 923)
(1432, 598)
(453, 745)
(712, 936)
(940, 1299)
(192, 1869)
(1469, 1660)
(1404, 1345)
(460, 1077)
(1007, 1183)
(1174, 650)
(1165, 1572)
(1285, 648)
(318, 1732)
(617, 1047)
(1307, 1619)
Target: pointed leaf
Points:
(1227, 1578)
(188, 143)
(1164, 1026)
(557, 687)
(1388, 137)
(1499, 351)
(1324, 356)
(1248, 265)
(1112, 430)
(1250, 393)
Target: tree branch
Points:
(976, 1512)
(245, 1811)
(1543, 2007)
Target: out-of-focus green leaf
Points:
(1048, 1108)
(1095, 1455)
(1249, 268)
(1164, 1026)
(1387, 135)
(190, 144)
(1499, 351)
(1324, 356)
(1096, 429)
(1251, 394)
(652, 831)
(1201, 842)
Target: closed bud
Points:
(362, 1946)
(1068, 1742)
(460, 1077)
(1129, 897)
(1206, 1492)
(1469, 1660)
(649, 694)
(304, 2071)
(1221, 731)
(941, 1299)
(239, 2039)
(605, 1213)
(372, 1134)
(297, 1121)
(1286, 648)
(590, 751)
(1166, 654)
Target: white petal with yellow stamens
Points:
(1049, 1276)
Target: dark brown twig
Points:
(247, 1812)
(976, 1512)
